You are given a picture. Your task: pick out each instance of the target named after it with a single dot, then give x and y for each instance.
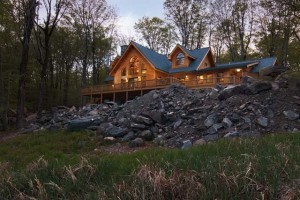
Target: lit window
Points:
(220, 77)
(209, 78)
(134, 66)
(180, 59)
(200, 79)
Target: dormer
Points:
(180, 57)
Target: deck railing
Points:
(157, 84)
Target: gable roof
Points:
(185, 50)
(159, 61)
(199, 55)
(258, 64)
(264, 63)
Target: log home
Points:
(139, 70)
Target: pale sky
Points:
(130, 11)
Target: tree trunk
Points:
(43, 82)
(30, 9)
(3, 107)
(66, 84)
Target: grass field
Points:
(63, 165)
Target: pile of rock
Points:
(180, 117)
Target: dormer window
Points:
(180, 59)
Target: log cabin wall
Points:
(143, 68)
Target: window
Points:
(209, 78)
(180, 59)
(123, 73)
(220, 77)
(200, 79)
(134, 65)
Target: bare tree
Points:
(43, 35)
(26, 9)
(189, 17)
(92, 20)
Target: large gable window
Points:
(134, 66)
(180, 59)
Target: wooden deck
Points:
(99, 90)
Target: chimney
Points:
(123, 48)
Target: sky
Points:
(130, 11)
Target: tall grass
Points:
(262, 168)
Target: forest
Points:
(50, 49)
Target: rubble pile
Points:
(181, 117)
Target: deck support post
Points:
(126, 95)
(114, 97)
(101, 98)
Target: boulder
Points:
(229, 91)
(291, 115)
(177, 124)
(137, 142)
(210, 120)
(199, 142)
(83, 123)
(258, 87)
(141, 119)
(186, 144)
(115, 131)
(227, 122)
(147, 135)
(262, 121)
(137, 126)
(129, 136)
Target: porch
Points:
(129, 90)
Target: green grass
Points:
(262, 168)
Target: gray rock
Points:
(262, 121)
(141, 119)
(227, 122)
(155, 115)
(219, 87)
(93, 113)
(137, 142)
(186, 144)
(115, 131)
(129, 136)
(291, 115)
(210, 120)
(83, 123)
(214, 129)
(137, 126)
(177, 124)
(257, 87)
(159, 140)
(147, 135)
(230, 91)
(211, 137)
(214, 93)
(232, 134)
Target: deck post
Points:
(101, 101)
(141, 92)
(126, 95)
(114, 97)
